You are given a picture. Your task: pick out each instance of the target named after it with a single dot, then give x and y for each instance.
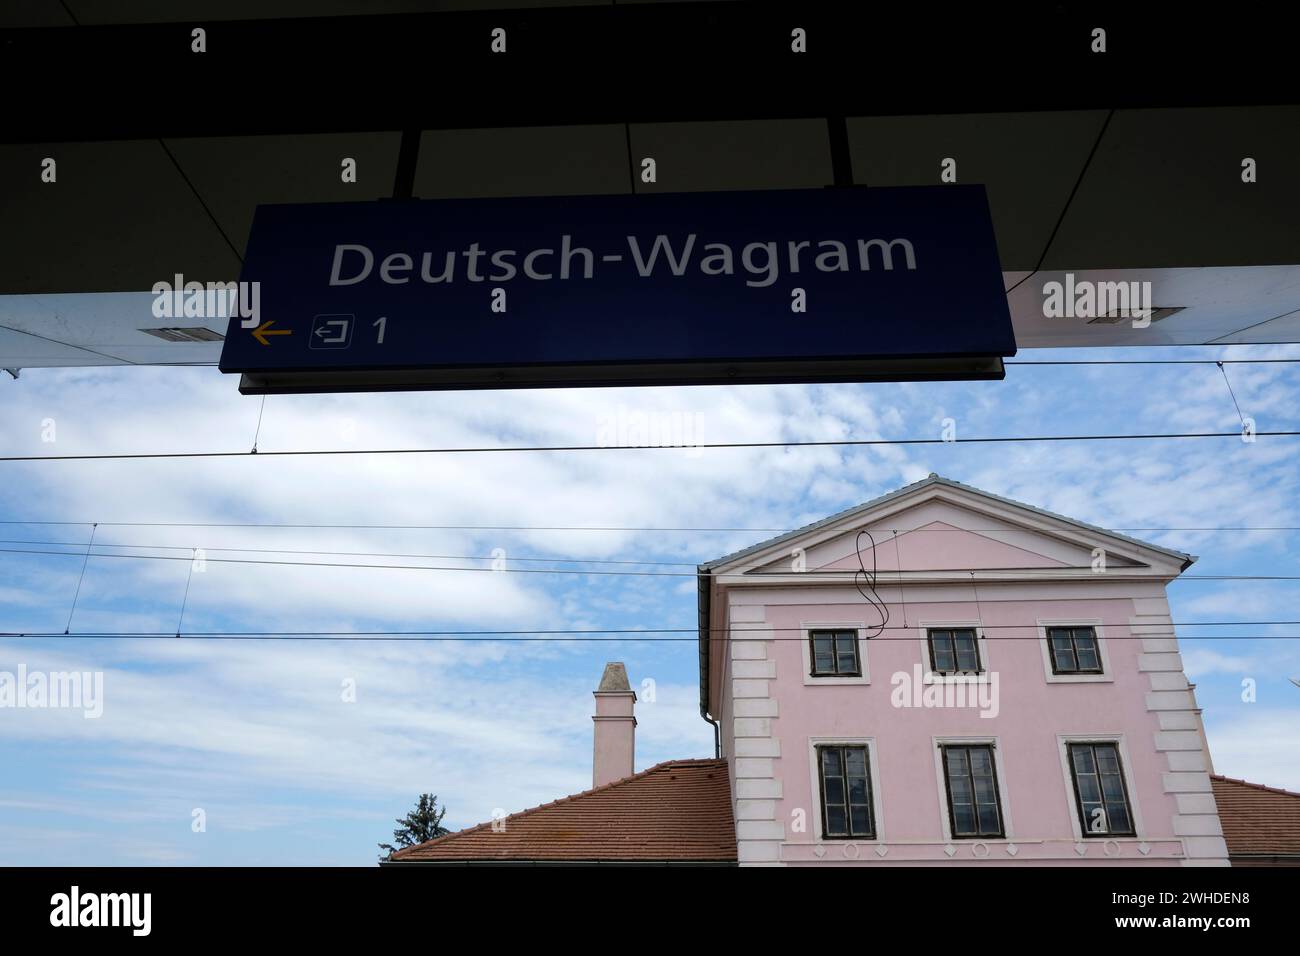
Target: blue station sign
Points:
(846, 284)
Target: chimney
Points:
(615, 727)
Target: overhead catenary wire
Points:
(898, 563)
(1069, 201)
(77, 593)
(551, 635)
(1096, 362)
(865, 582)
(530, 559)
(1247, 361)
(261, 410)
(600, 528)
(1232, 394)
(180, 620)
(520, 449)
(847, 576)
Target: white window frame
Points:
(1105, 677)
(1004, 798)
(815, 778)
(981, 645)
(1126, 765)
(859, 628)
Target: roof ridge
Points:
(1257, 786)
(449, 837)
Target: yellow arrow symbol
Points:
(262, 331)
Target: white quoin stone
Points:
(1178, 782)
(753, 727)
(749, 688)
(764, 707)
(758, 747)
(751, 789)
(1187, 759)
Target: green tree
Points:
(421, 824)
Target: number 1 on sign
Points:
(380, 323)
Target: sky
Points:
(304, 751)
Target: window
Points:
(1074, 650)
(834, 653)
(972, 786)
(954, 651)
(1099, 790)
(846, 793)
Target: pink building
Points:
(938, 677)
(942, 676)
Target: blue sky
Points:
(257, 733)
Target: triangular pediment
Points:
(937, 536)
(943, 526)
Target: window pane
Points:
(981, 761)
(860, 819)
(1119, 821)
(1063, 654)
(857, 790)
(956, 760)
(1111, 787)
(963, 815)
(1107, 759)
(1085, 645)
(831, 762)
(835, 822)
(967, 657)
(988, 819)
(1082, 759)
(1088, 789)
(855, 761)
(1094, 818)
(959, 787)
(834, 790)
(942, 653)
(846, 652)
(823, 654)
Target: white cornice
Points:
(887, 579)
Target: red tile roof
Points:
(1257, 820)
(677, 811)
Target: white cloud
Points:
(1258, 746)
(1201, 662)
(213, 719)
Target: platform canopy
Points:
(1104, 167)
